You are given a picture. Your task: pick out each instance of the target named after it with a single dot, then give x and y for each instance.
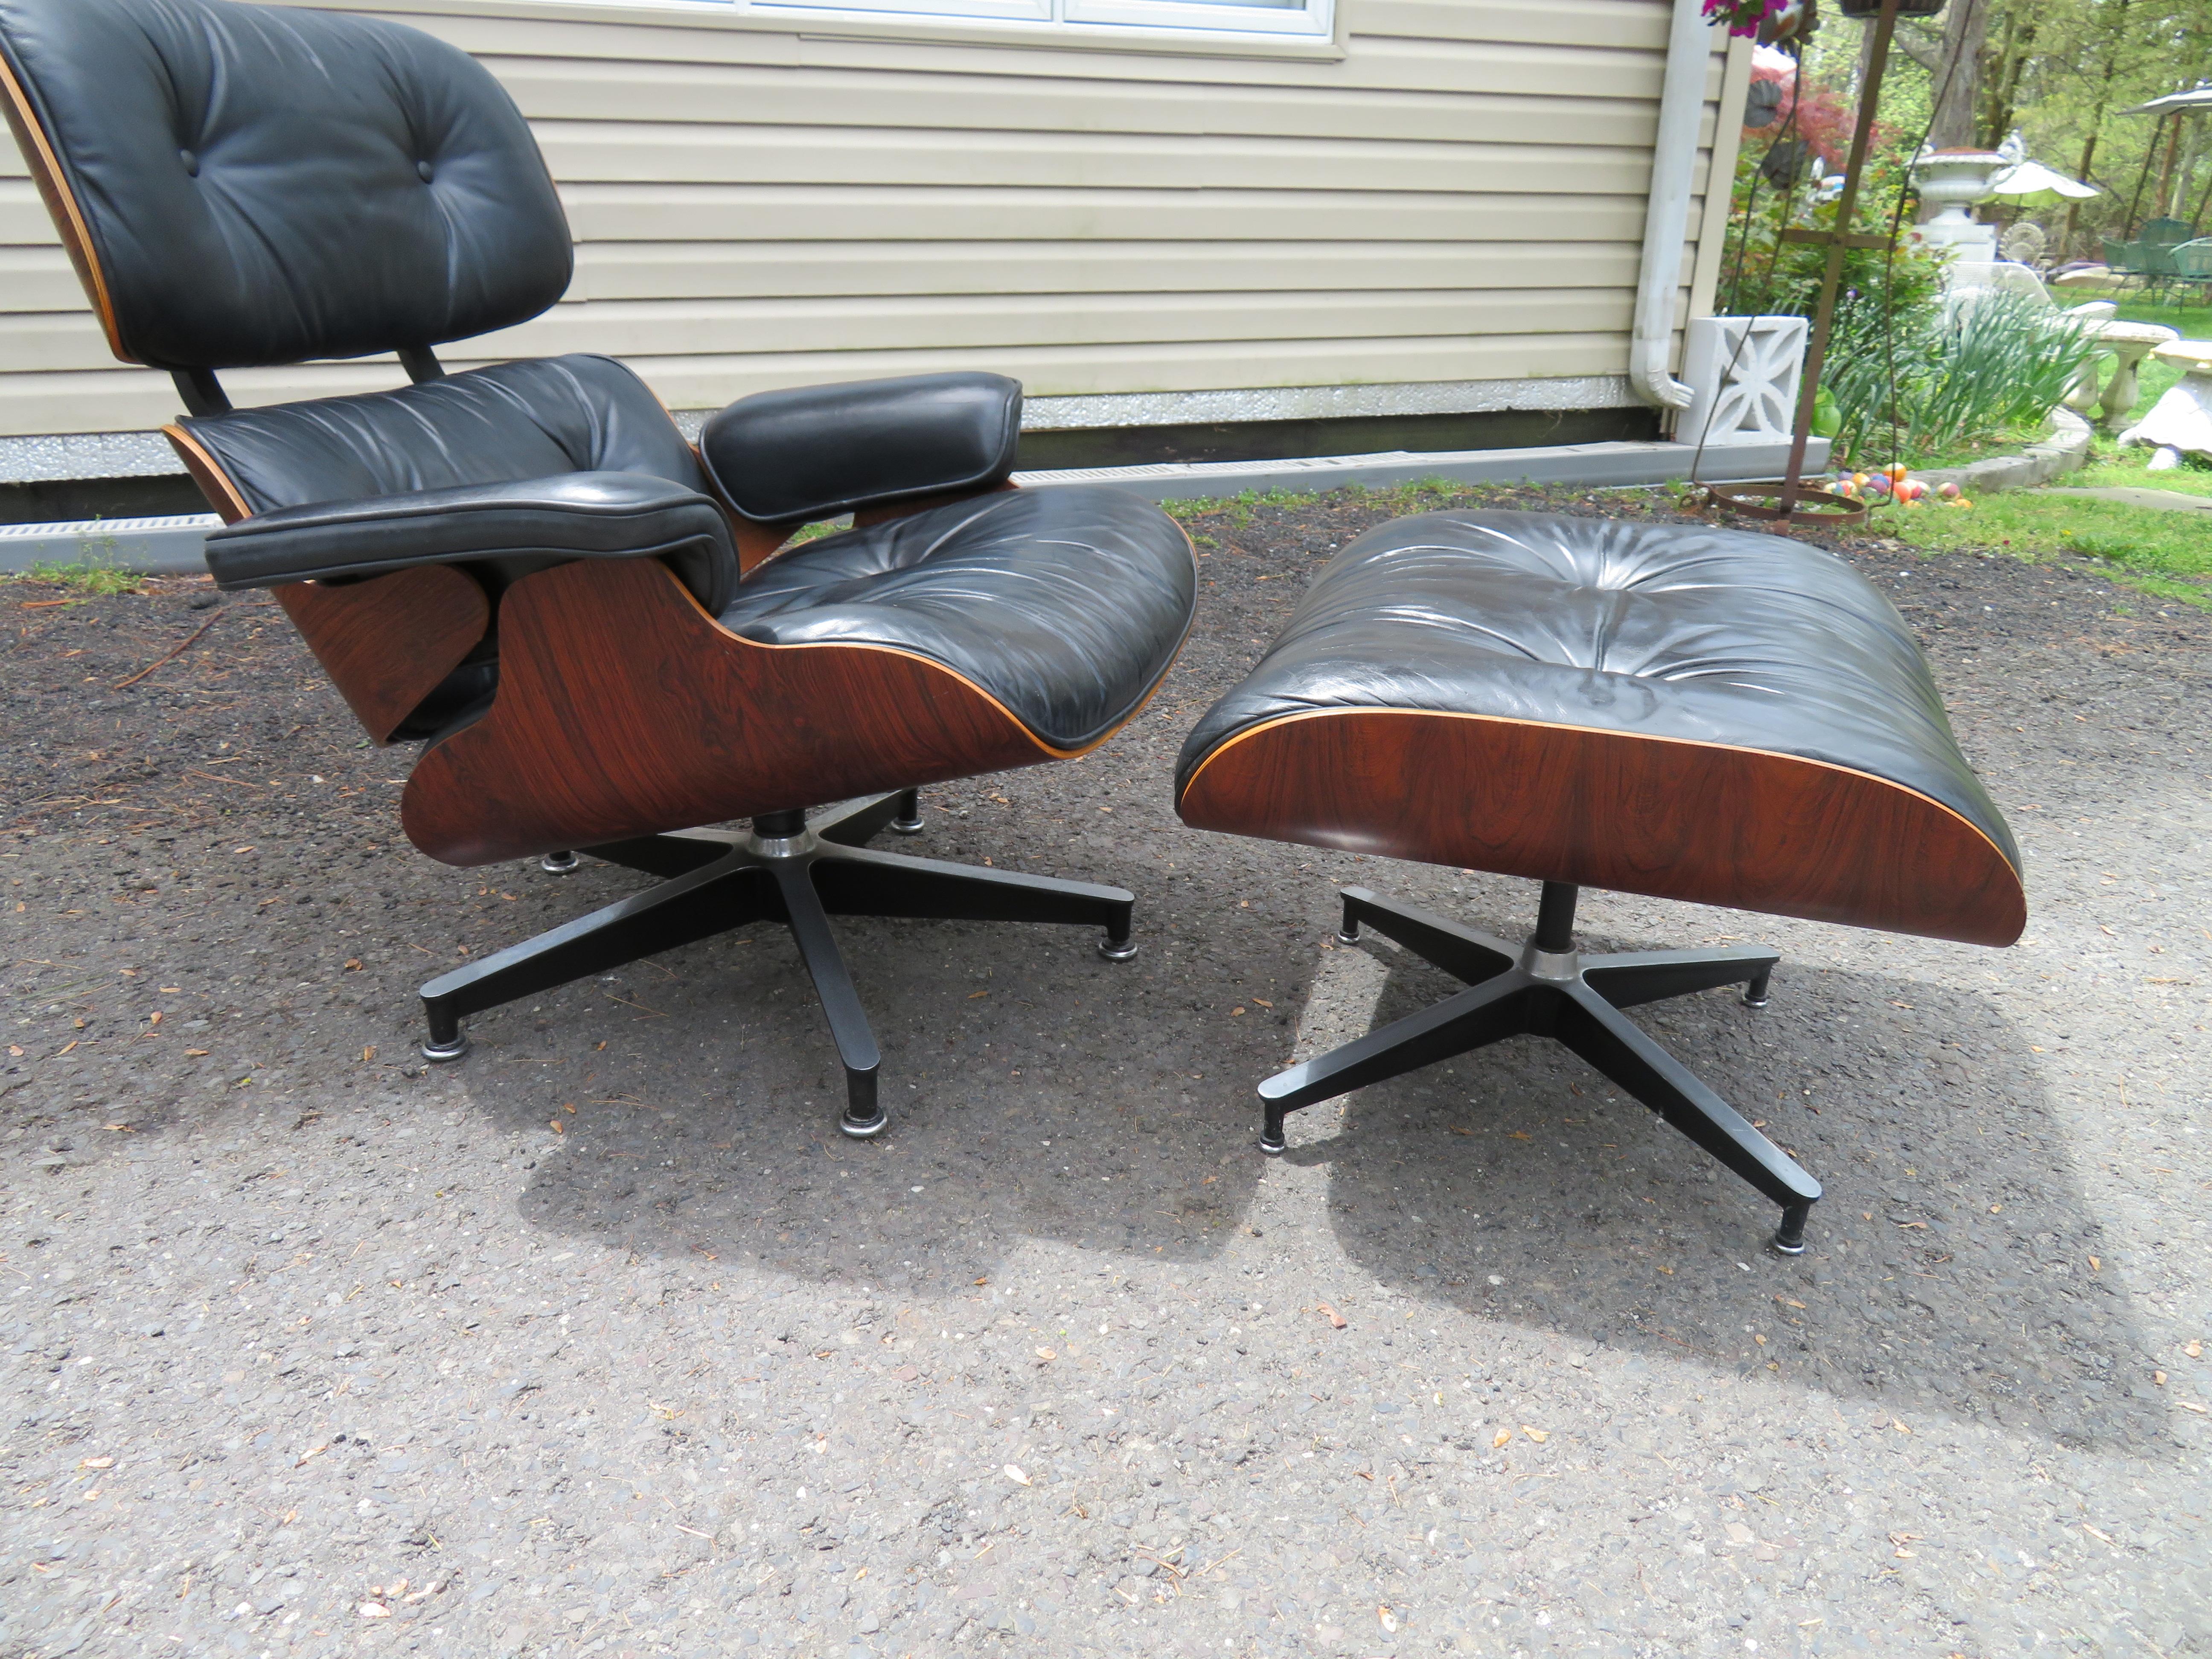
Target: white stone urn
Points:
(1952, 182)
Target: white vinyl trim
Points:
(1166, 20)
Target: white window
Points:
(1306, 18)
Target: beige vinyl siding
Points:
(1459, 195)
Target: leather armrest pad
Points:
(576, 515)
(816, 451)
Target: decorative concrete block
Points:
(1745, 371)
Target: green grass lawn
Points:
(2165, 553)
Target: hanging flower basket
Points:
(1867, 9)
(1743, 16)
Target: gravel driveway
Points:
(606, 1342)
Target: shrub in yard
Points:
(1916, 385)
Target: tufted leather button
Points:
(425, 172)
(191, 162)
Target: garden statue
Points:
(1953, 180)
(2180, 422)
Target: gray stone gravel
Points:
(604, 1341)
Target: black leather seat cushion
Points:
(1684, 631)
(1066, 604)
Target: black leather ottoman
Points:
(1671, 709)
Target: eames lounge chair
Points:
(526, 567)
(1671, 709)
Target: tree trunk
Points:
(2001, 107)
(2111, 67)
(1957, 84)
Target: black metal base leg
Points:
(864, 1117)
(709, 901)
(1613, 1043)
(858, 821)
(1476, 1017)
(1466, 952)
(1548, 988)
(857, 882)
(1632, 979)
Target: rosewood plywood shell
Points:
(624, 710)
(1672, 819)
(388, 641)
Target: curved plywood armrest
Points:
(625, 710)
(1666, 818)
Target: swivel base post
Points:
(787, 869)
(1547, 987)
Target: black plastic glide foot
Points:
(560, 864)
(1272, 1140)
(1789, 1238)
(864, 1119)
(446, 1042)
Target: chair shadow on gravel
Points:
(706, 1093)
(1951, 1261)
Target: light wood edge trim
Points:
(1601, 731)
(207, 472)
(61, 203)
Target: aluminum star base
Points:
(1547, 987)
(788, 869)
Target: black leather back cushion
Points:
(503, 424)
(269, 184)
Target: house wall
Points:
(1443, 205)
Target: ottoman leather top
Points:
(1669, 708)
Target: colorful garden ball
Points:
(1897, 471)
(1949, 492)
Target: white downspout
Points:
(1666, 216)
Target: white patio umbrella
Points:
(2033, 179)
(2195, 98)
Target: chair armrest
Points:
(816, 451)
(516, 527)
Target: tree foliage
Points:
(2063, 73)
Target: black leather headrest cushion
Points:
(269, 184)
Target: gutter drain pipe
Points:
(1666, 216)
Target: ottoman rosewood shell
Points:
(1672, 709)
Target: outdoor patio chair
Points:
(1670, 710)
(2160, 271)
(526, 567)
(2166, 233)
(2124, 258)
(2192, 263)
